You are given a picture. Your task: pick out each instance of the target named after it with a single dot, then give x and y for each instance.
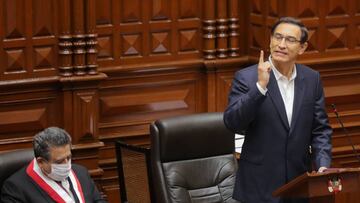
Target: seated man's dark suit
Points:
(20, 187)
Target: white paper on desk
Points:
(239, 141)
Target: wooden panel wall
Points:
(105, 69)
(48, 74)
(155, 55)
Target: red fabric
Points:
(51, 192)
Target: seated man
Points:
(50, 176)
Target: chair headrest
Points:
(193, 136)
(12, 161)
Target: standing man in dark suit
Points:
(279, 107)
(50, 176)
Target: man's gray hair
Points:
(48, 138)
(294, 21)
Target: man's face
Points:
(58, 155)
(285, 44)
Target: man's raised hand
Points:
(263, 71)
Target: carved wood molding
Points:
(333, 28)
(220, 29)
(233, 8)
(77, 38)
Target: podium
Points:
(333, 185)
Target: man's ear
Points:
(303, 48)
(40, 160)
(44, 167)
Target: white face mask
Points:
(60, 172)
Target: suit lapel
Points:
(44, 196)
(275, 95)
(298, 96)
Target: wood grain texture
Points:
(105, 69)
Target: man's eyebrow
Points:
(62, 159)
(285, 35)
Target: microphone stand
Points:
(345, 131)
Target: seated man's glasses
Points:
(288, 39)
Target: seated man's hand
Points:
(322, 169)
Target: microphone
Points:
(345, 131)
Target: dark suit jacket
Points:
(273, 152)
(21, 188)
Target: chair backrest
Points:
(12, 161)
(193, 159)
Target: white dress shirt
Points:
(66, 185)
(286, 87)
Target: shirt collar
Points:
(278, 75)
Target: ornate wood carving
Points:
(65, 56)
(78, 37)
(333, 27)
(91, 38)
(233, 8)
(209, 29)
(24, 111)
(130, 101)
(147, 32)
(28, 44)
(223, 86)
(86, 119)
(65, 44)
(79, 64)
(222, 29)
(80, 105)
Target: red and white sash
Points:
(53, 189)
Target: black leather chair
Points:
(12, 161)
(193, 159)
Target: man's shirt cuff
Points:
(263, 91)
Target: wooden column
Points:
(78, 37)
(233, 9)
(209, 29)
(65, 44)
(80, 90)
(81, 110)
(211, 87)
(222, 28)
(91, 38)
